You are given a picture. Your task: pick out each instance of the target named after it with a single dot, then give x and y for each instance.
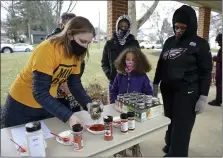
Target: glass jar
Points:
(120, 97)
(108, 132)
(148, 100)
(77, 132)
(140, 105)
(131, 121)
(124, 123)
(126, 99)
(132, 101)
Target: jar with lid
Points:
(155, 101)
(140, 105)
(108, 132)
(77, 132)
(119, 102)
(126, 100)
(131, 121)
(132, 101)
(124, 123)
(120, 97)
(127, 95)
(140, 99)
(35, 140)
(134, 94)
(148, 100)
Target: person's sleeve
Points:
(77, 90)
(204, 62)
(44, 59)
(77, 68)
(114, 90)
(105, 61)
(147, 89)
(137, 44)
(54, 32)
(82, 68)
(41, 83)
(158, 72)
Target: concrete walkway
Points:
(206, 138)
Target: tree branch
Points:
(39, 10)
(146, 16)
(54, 7)
(73, 6)
(71, 2)
(5, 7)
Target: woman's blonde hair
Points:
(74, 26)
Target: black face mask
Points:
(77, 49)
(122, 32)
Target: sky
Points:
(91, 9)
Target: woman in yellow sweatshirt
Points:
(33, 94)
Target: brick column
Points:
(204, 22)
(115, 8)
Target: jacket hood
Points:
(192, 27)
(126, 17)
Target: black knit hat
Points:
(181, 17)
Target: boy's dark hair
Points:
(142, 64)
(65, 17)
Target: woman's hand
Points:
(64, 87)
(74, 120)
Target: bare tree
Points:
(57, 9)
(136, 24)
(71, 3)
(13, 21)
(215, 25)
(47, 14)
(162, 26)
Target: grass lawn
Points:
(11, 65)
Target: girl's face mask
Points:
(129, 65)
(129, 62)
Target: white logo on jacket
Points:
(173, 53)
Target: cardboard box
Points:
(141, 114)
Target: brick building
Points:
(118, 7)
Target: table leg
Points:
(136, 151)
(121, 154)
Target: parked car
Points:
(158, 46)
(6, 48)
(22, 47)
(146, 45)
